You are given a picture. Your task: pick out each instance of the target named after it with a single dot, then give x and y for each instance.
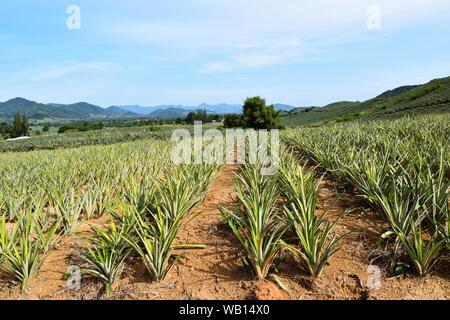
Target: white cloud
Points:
(244, 23)
(44, 72)
(280, 51)
(257, 59)
(216, 67)
(253, 33)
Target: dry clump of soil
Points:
(218, 272)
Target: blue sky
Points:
(193, 51)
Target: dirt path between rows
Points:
(217, 271)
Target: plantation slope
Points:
(430, 98)
(319, 115)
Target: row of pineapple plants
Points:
(401, 169)
(146, 223)
(277, 214)
(45, 195)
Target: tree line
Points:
(255, 114)
(84, 126)
(18, 128)
(203, 116)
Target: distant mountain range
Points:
(82, 111)
(174, 111)
(430, 98)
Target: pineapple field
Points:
(355, 211)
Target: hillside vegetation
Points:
(39, 111)
(430, 98)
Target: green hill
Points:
(39, 111)
(396, 91)
(430, 98)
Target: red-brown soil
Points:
(218, 272)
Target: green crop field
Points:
(399, 169)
